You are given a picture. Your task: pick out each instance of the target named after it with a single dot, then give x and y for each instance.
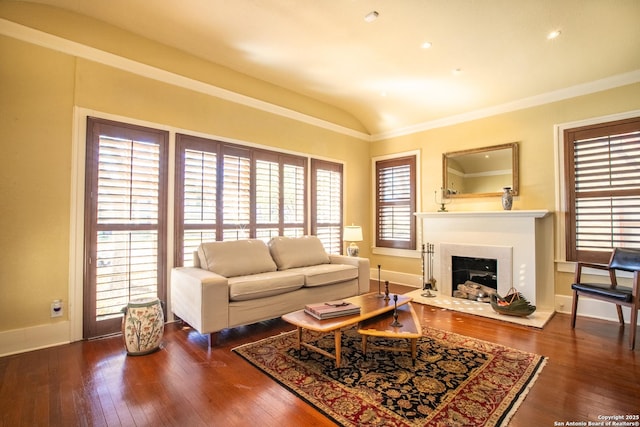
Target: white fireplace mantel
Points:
(485, 214)
(528, 234)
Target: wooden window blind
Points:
(229, 192)
(197, 196)
(326, 187)
(603, 189)
(236, 193)
(125, 225)
(396, 203)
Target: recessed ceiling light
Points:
(371, 16)
(554, 34)
(426, 45)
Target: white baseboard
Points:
(588, 307)
(407, 279)
(34, 338)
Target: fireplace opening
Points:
(474, 278)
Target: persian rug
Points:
(456, 380)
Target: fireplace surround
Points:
(521, 241)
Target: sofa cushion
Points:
(327, 274)
(236, 257)
(242, 288)
(291, 252)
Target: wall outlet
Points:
(56, 308)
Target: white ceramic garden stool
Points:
(142, 326)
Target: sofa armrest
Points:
(363, 269)
(200, 298)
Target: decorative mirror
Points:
(480, 172)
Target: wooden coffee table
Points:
(382, 326)
(371, 305)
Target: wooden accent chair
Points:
(624, 259)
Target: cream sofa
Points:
(241, 282)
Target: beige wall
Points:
(532, 128)
(35, 164)
(40, 87)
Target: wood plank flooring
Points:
(590, 373)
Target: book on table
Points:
(331, 309)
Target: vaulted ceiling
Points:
(484, 56)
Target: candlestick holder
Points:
(444, 200)
(379, 294)
(395, 322)
(386, 290)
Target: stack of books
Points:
(331, 309)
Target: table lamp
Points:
(352, 233)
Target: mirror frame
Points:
(514, 163)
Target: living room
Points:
(65, 67)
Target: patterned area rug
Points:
(456, 380)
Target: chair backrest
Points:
(625, 259)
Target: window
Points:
(602, 176)
(326, 204)
(229, 192)
(196, 195)
(396, 202)
(125, 206)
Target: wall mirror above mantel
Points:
(480, 172)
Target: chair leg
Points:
(633, 326)
(574, 309)
(620, 315)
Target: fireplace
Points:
(521, 242)
(481, 274)
(492, 264)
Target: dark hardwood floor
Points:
(590, 373)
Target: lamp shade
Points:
(352, 233)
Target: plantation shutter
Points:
(125, 228)
(327, 204)
(236, 194)
(280, 195)
(294, 197)
(604, 190)
(267, 198)
(196, 196)
(396, 203)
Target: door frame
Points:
(75, 309)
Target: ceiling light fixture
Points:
(554, 34)
(456, 71)
(426, 45)
(371, 16)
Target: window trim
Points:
(91, 224)
(561, 208)
(587, 133)
(77, 206)
(309, 224)
(399, 252)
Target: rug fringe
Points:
(524, 392)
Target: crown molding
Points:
(533, 101)
(50, 41)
